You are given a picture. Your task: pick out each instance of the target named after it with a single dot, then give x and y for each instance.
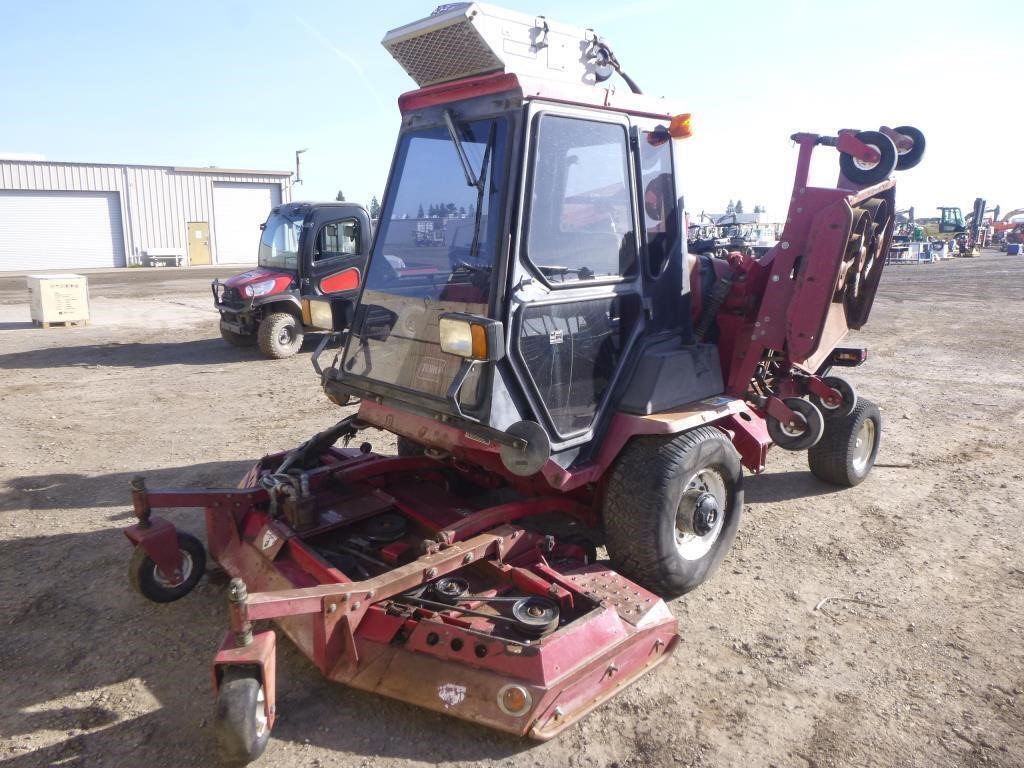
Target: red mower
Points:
(560, 376)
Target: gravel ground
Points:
(915, 659)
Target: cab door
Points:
(576, 302)
(335, 250)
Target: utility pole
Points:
(298, 178)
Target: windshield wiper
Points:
(474, 248)
(471, 179)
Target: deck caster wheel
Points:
(804, 431)
(848, 449)
(845, 406)
(911, 157)
(149, 582)
(241, 727)
(672, 509)
(535, 616)
(865, 173)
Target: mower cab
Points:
(306, 249)
(561, 374)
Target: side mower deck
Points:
(382, 577)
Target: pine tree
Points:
(419, 212)
(739, 207)
(340, 197)
(374, 208)
(731, 207)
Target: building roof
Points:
(174, 168)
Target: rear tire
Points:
(672, 508)
(280, 335)
(846, 453)
(238, 339)
(240, 724)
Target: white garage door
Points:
(60, 230)
(238, 211)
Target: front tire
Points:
(849, 447)
(672, 508)
(241, 726)
(280, 335)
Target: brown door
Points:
(199, 243)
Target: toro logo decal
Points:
(269, 539)
(451, 694)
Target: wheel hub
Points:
(705, 514)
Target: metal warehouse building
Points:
(79, 215)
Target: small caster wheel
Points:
(864, 173)
(910, 157)
(843, 407)
(149, 582)
(803, 432)
(241, 726)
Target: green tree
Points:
(419, 212)
(340, 197)
(374, 208)
(739, 207)
(731, 207)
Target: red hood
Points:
(258, 275)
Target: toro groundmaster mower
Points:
(560, 374)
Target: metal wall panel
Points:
(155, 202)
(60, 230)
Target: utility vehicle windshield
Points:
(435, 252)
(279, 244)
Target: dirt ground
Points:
(915, 659)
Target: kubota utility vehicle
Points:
(306, 249)
(570, 378)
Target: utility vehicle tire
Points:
(240, 723)
(845, 406)
(803, 437)
(238, 339)
(912, 157)
(147, 580)
(847, 451)
(280, 335)
(867, 174)
(671, 509)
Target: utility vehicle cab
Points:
(572, 263)
(306, 249)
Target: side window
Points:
(660, 203)
(581, 213)
(337, 238)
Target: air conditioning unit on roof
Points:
(465, 39)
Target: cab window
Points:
(581, 211)
(337, 238)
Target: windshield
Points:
(279, 244)
(435, 252)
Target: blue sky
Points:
(239, 84)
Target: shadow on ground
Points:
(72, 491)
(783, 486)
(131, 355)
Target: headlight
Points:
(259, 289)
(471, 337)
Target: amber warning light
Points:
(680, 127)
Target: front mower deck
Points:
(368, 564)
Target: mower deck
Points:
(377, 578)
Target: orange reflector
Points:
(479, 341)
(346, 280)
(514, 700)
(680, 127)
